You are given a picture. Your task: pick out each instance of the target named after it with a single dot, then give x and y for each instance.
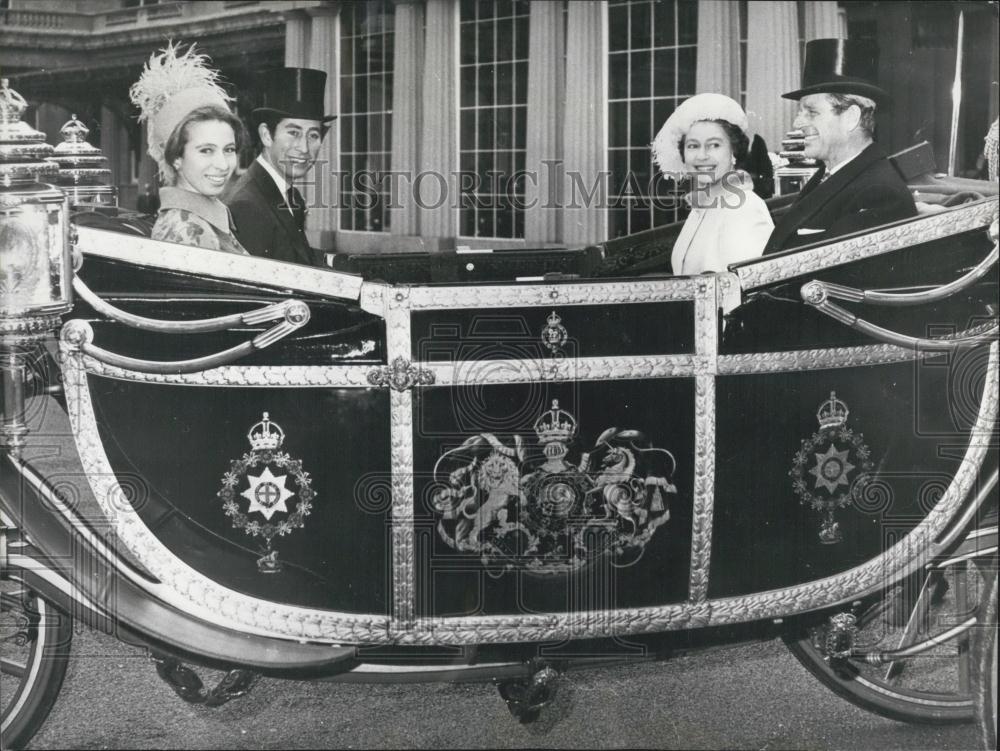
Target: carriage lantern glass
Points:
(35, 266)
(35, 271)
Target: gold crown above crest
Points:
(266, 434)
(555, 425)
(833, 412)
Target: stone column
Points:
(772, 68)
(718, 65)
(322, 190)
(822, 20)
(437, 188)
(297, 39)
(408, 65)
(543, 149)
(114, 144)
(585, 219)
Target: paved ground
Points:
(753, 696)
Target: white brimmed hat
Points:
(666, 145)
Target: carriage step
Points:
(187, 685)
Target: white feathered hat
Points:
(171, 86)
(666, 145)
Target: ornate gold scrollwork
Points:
(400, 375)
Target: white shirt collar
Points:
(279, 180)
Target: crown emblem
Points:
(832, 413)
(266, 435)
(556, 425)
(554, 334)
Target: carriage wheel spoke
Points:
(918, 617)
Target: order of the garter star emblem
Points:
(832, 467)
(277, 492)
(538, 510)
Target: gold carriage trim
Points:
(193, 260)
(770, 269)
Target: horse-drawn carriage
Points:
(302, 472)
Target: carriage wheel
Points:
(934, 687)
(34, 650)
(984, 651)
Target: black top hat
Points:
(840, 66)
(293, 92)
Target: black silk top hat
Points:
(840, 66)
(293, 92)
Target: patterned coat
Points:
(193, 219)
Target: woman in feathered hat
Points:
(194, 138)
(707, 141)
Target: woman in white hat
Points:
(706, 141)
(194, 138)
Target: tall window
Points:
(493, 116)
(366, 39)
(651, 68)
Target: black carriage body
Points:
(500, 462)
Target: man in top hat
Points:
(267, 207)
(855, 187)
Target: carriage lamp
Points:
(83, 168)
(35, 268)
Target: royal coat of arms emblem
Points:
(266, 493)
(541, 509)
(832, 468)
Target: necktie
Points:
(298, 207)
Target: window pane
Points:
(484, 94)
(687, 22)
(520, 127)
(485, 140)
(640, 36)
(505, 128)
(618, 75)
(686, 71)
(467, 131)
(505, 83)
(468, 92)
(618, 27)
(663, 23)
(618, 124)
(641, 74)
(640, 113)
(521, 38)
(666, 72)
(485, 36)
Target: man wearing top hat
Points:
(855, 187)
(267, 208)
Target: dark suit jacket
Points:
(264, 225)
(864, 193)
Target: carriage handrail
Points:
(815, 293)
(79, 335)
(898, 299)
(220, 323)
